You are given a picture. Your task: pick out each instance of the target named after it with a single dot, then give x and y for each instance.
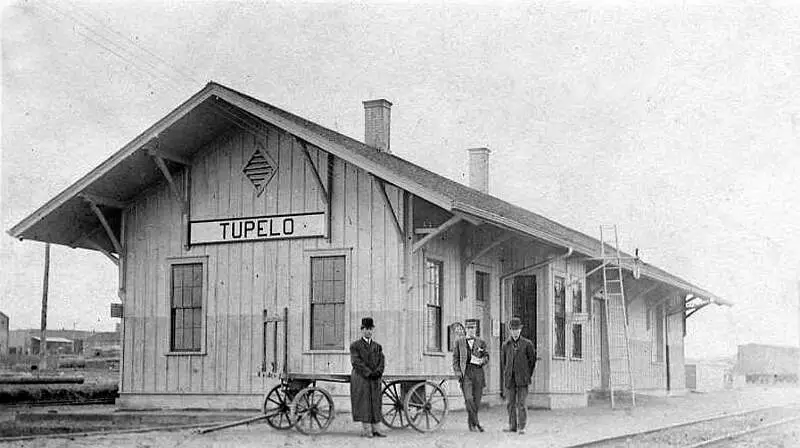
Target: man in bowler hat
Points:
(367, 358)
(518, 358)
(469, 358)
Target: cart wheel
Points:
(392, 412)
(313, 410)
(276, 405)
(426, 406)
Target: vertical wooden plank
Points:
(211, 314)
(247, 272)
(170, 242)
(222, 268)
(131, 264)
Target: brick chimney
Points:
(377, 117)
(479, 169)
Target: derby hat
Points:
(515, 323)
(367, 322)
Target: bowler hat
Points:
(366, 322)
(515, 323)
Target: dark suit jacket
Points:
(518, 363)
(461, 354)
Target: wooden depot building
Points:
(252, 241)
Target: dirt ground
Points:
(545, 428)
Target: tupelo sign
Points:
(231, 230)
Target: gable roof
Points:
(67, 219)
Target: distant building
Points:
(84, 342)
(3, 334)
(55, 345)
(768, 364)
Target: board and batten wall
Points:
(243, 279)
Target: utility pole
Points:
(43, 337)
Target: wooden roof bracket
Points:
(105, 224)
(317, 177)
(549, 260)
(173, 186)
(97, 246)
(446, 225)
(395, 218)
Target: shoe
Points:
(377, 434)
(367, 435)
(472, 429)
(521, 432)
(479, 428)
(509, 430)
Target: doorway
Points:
(520, 301)
(599, 346)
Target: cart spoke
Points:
(434, 417)
(317, 420)
(427, 420)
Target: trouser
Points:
(517, 414)
(472, 387)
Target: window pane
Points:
(577, 341)
(198, 318)
(338, 291)
(196, 345)
(177, 276)
(433, 327)
(327, 291)
(338, 268)
(577, 298)
(328, 270)
(176, 296)
(560, 346)
(316, 269)
(177, 339)
(197, 275)
(178, 319)
(187, 339)
(188, 318)
(559, 295)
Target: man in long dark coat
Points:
(518, 358)
(368, 362)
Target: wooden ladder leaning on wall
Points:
(620, 378)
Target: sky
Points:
(677, 121)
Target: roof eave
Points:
(137, 143)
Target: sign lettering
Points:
(307, 225)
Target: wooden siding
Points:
(568, 374)
(245, 279)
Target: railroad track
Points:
(706, 432)
(25, 404)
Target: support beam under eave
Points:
(317, 177)
(388, 203)
(100, 249)
(106, 226)
(172, 185)
(447, 224)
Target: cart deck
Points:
(406, 400)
